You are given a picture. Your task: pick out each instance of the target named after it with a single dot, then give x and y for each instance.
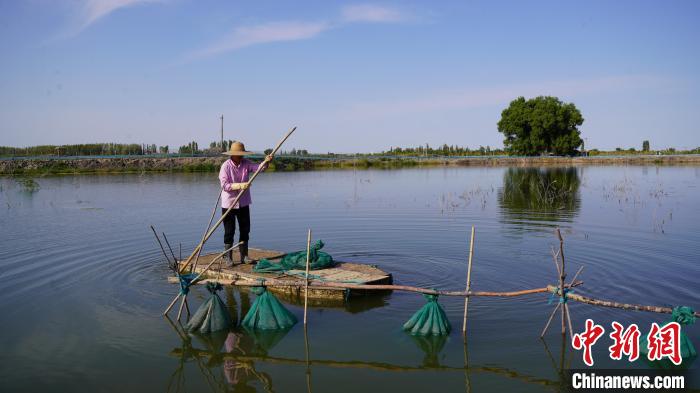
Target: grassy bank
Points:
(36, 166)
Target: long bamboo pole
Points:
(213, 213)
(306, 277)
(194, 281)
(469, 281)
(235, 201)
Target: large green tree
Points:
(541, 125)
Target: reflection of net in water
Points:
(431, 347)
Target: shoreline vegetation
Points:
(140, 164)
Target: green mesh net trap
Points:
(212, 315)
(685, 316)
(297, 260)
(430, 320)
(267, 313)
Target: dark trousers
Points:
(243, 217)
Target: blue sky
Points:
(353, 76)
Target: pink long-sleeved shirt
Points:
(231, 173)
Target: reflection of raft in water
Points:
(340, 273)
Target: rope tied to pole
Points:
(214, 287)
(557, 295)
(186, 282)
(259, 290)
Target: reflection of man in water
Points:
(238, 374)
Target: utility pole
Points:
(222, 133)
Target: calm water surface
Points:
(84, 283)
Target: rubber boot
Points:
(228, 257)
(243, 249)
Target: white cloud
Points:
(244, 36)
(93, 10)
(371, 13)
(90, 11)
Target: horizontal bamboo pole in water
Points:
(271, 282)
(623, 306)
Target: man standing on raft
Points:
(233, 176)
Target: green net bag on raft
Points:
(267, 313)
(212, 315)
(297, 260)
(430, 320)
(685, 316)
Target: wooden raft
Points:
(342, 272)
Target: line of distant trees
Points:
(632, 150)
(124, 149)
(192, 148)
(85, 149)
(444, 150)
(458, 151)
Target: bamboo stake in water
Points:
(577, 273)
(551, 316)
(467, 380)
(469, 282)
(306, 289)
(183, 303)
(160, 244)
(568, 318)
(235, 201)
(562, 277)
(170, 248)
(172, 303)
(308, 366)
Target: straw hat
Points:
(237, 149)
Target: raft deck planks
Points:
(347, 272)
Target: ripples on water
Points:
(84, 281)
